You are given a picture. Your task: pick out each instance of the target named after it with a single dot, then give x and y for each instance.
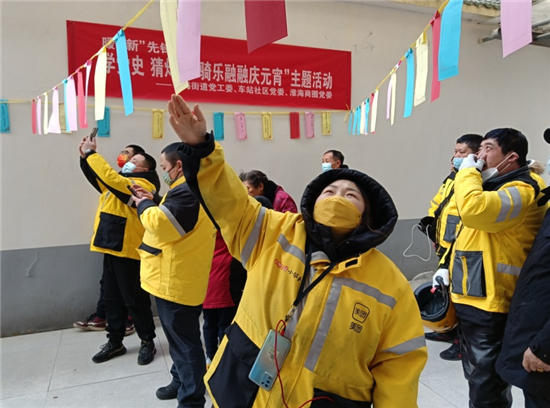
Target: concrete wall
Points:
(49, 278)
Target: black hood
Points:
(383, 216)
(150, 176)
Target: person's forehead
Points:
(328, 155)
(344, 183)
(461, 146)
(489, 142)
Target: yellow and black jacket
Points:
(447, 217)
(177, 247)
(356, 338)
(117, 230)
(499, 222)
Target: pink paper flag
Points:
(188, 39)
(265, 22)
(53, 126)
(33, 117)
(39, 115)
(310, 125)
(515, 23)
(436, 30)
(240, 126)
(71, 104)
(83, 121)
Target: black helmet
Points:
(436, 308)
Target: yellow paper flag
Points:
(421, 69)
(158, 124)
(326, 123)
(168, 18)
(99, 84)
(267, 126)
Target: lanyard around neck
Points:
(302, 293)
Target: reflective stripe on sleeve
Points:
(253, 237)
(330, 309)
(507, 205)
(516, 202)
(172, 220)
(508, 269)
(408, 346)
(291, 249)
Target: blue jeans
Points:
(181, 326)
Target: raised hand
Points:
(189, 125)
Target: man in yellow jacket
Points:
(117, 234)
(443, 214)
(316, 279)
(496, 196)
(176, 255)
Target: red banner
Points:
(275, 75)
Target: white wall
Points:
(47, 202)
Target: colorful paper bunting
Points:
(450, 40)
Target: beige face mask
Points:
(338, 213)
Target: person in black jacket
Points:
(524, 360)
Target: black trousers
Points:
(181, 326)
(123, 295)
(535, 401)
(213, 329)
(481, 335)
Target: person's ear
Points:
(261, 186)
(513, 157)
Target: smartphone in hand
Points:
(132, 191)
(92, 135)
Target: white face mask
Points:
(326, 166)
(128, 167)
(492, 172)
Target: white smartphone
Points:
(264, 370)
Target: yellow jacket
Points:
(499, 221)
(357, 336)
(117, 230)
(448, 219)
(178, 245)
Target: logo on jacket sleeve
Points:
(360, 314)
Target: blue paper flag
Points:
(409, 94)
(124, 72)
(4, 117)
(449, 45)
(218, 126)
(357, 120)
(367, 109)
(104, 125)
(65, 106)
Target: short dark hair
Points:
(137, 149)
(171, 153)
(472, 140)
(339, 156)
(510, 140)
(254, 177)
(149, 160)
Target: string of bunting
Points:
(158, 121)
(446, 27)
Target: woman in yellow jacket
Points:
(348, 312)
(176, 255)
